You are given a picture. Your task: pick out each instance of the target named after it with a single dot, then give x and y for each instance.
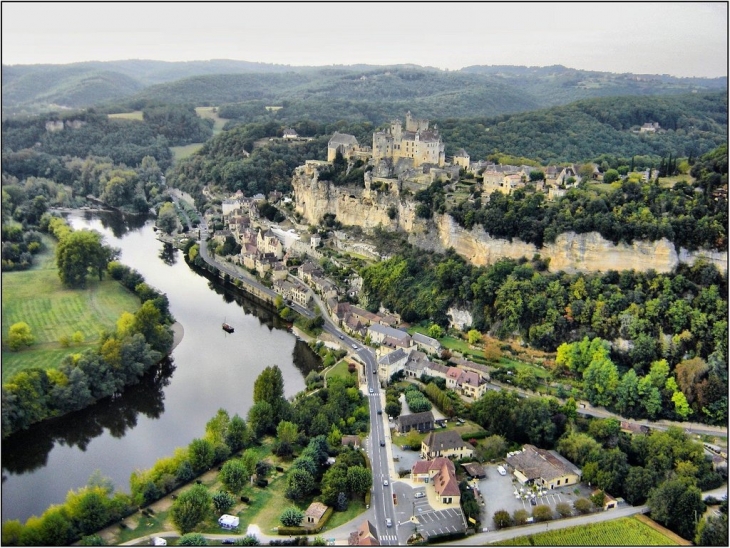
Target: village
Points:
(288, 257)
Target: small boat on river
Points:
(227, 328)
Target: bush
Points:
(520, 516)
(291, 517)
(542, 512)
(564, 509)
(583, 506)
(502, 519)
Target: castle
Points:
(417, 142)
(416, 146)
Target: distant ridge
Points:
(30, 89)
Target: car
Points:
(382, 444)
(501, 470)
(380, 412)
(385, 483)
(342, 338)
(354, 346)
(228, 541)
(388, 522)
(533, 501)
(371, 390)
(419, 495)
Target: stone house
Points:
(378, 333)
(364, 535)
(344, 143)
(314, 513)
(391, 363)
(267, 242)
(445, 444)
(290, 134)
(427, 344)
(441, 473)
(423, 422)
(461, 159)
(543, 468)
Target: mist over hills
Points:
(472, 91)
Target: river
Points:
(208, 370)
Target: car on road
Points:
(354, 346)
(372, 391)
(419, 495)
(385, 483)
(382, 444)
(388, 522)
(341, 337)
(229, 541)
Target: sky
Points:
(676, 38)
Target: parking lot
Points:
(443, 522)
(498, 493)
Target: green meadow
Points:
(37, 297)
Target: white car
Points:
(388, 522)
(419, 495)
(501, 470)
(354, 346)
(385, 482)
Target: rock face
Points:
(570, 252)
(352, 206)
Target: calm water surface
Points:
(208, 370)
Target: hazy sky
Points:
(681, 39)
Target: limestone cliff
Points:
(570, 252)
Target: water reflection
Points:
(117, 222)
(28, 450)
(168, 254)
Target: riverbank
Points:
(178, 332)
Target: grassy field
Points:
(182, 152)
(136, 115)
(51, 310)
(621, 532)
(212, 114)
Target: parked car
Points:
(419, 495)
(501, 470)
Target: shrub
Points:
(502, 519)
(520, 516)
(583, 506)
(542, 512)
(564, 509)
(291, 517)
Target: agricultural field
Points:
(136, 115)
(37, 297)
(621, 532)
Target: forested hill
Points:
(558, 85)
(695, 123)
(474, 91)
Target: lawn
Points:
(621, 532)
(339, 370)
(37, 297)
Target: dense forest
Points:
(647, 316)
